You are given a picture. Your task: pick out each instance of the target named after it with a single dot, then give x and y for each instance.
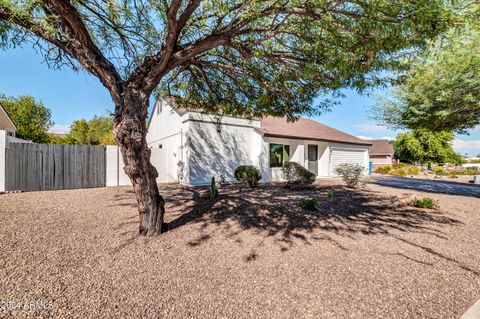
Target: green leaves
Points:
(31, 118)
(441, 91)
(248, 58)
(421, 146)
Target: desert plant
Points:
(248, 174)
(213, 189)
(383, 169)
(412, 170)
(310, 204)
(398, 165)
(329, 195)
(398, 172)
(296, 175)
(350, 173)
(424, 202)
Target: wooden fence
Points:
(33, 167)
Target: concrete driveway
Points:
(428, 185)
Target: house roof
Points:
(5, 120)
(306, 129)
(381, 147)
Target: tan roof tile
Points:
(306, 129)
(381, 147)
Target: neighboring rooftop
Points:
(307, 129)
(381, 147)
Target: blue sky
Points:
(72, 96)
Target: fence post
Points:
(3, 153)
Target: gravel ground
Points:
(251, 254)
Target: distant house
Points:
(381, 153)
(6, 123)
(190, 147)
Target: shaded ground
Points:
(443, 187)
(251, 254)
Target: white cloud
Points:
(459, 144)
(370, 127)
(364, 137)
(390, 138)
(59, 129)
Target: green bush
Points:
(309, 204)
(425, 202)
(296, 175)
(329, 195)
(248, 174)
(383, 169)
(399, 165)
(350, 173)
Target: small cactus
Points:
(213, 189)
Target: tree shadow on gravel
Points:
(273, 212)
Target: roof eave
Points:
(315, 139)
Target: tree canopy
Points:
(95, 131)
(441, 90)
(31, 117)
(239, 57)
(425, 147)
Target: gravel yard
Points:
(251, 254)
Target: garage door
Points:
(344, 155)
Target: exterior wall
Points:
(3, 147)
(297, 154)
(217, 146)
(115, 175)
(165, 137)
(381, 160)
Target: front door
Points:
(313, 159)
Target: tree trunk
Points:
(130, 131)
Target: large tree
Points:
(441, 90)
(250, 57)
(426, 147)
(32, 118)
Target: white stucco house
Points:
(190, 147)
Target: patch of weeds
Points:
(425, 202)
(329, 195)
(309, 204)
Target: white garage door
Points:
(344, 155)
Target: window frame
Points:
(285, 155)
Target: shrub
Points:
(383, 169)
(248, 174)
(399, 165)
(296, 175)
(412, 170)
(309, 204)
(425, 202)
(351, 173)
(398, 172)
(329, 195)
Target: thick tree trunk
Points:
(130, 131)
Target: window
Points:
(279, 154)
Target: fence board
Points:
(32, 167)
